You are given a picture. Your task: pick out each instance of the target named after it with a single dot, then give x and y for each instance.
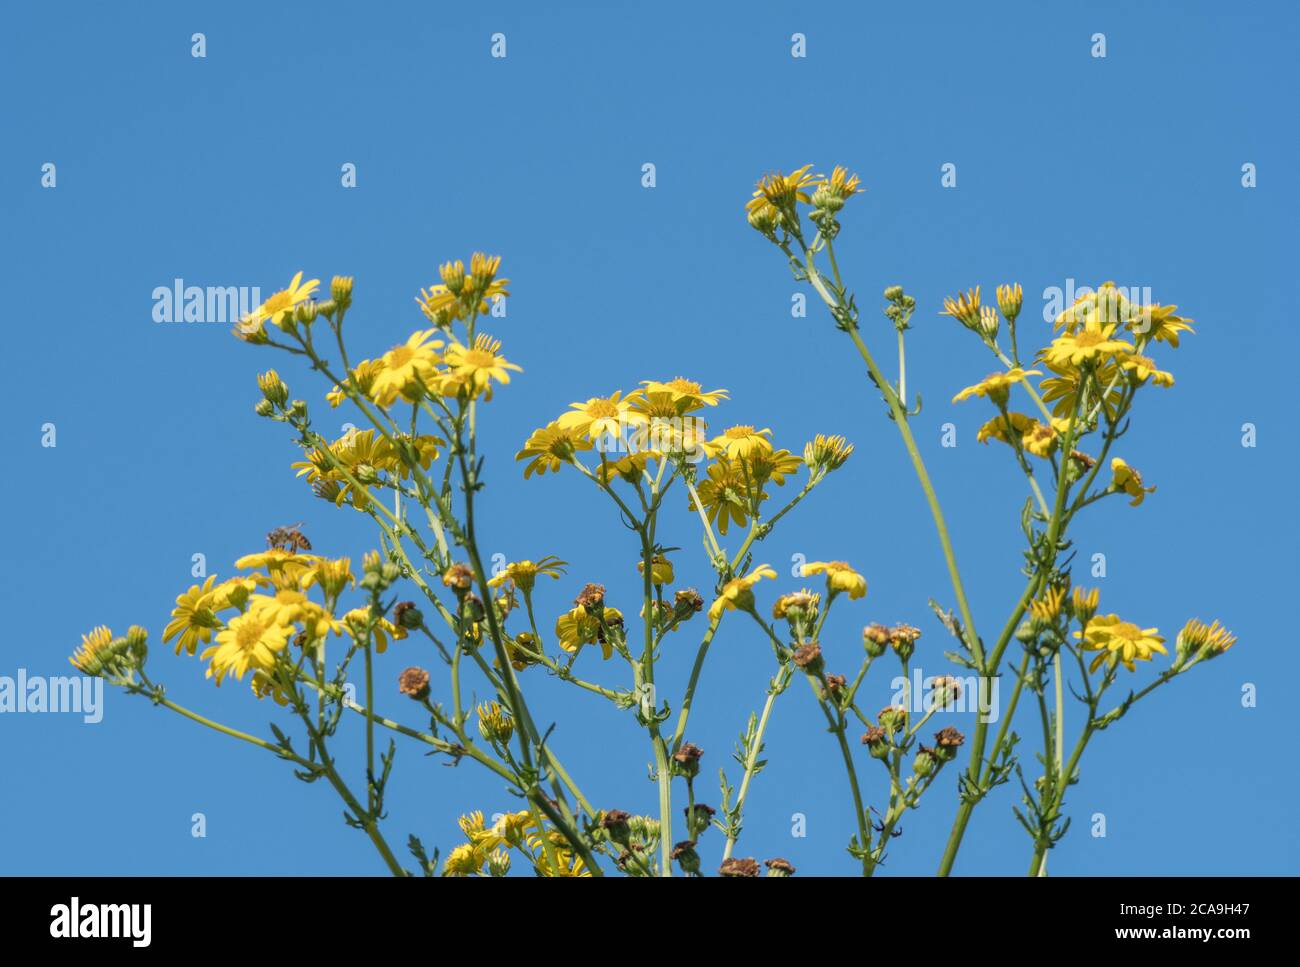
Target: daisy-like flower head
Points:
(727, 494)
(1143, 368)
(685, 395)
(1161, 324)
(286, 568)
(524, 574)
(841, 185)
(1062, 391)
(289, 606)
(739, 442)
(782, 191)
(602, 417)
(773, 465)
(403, 452)
(738, 593)
(407, 370)
(1127, 479)
(1093, 344)
(964, 307)
(250, 642)
(550, 448)
(839, 577)
(276, 309)
(332, 576)
(996, 386)
(580, 627)
(1034, 437)
(473, 369)
(383, 629)
(193, 619)
(1119, 641)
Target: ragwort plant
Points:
(302, 627)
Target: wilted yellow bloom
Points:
(1035, 438)
(1119, 641)
(363, 380)
(996, 386)
(1144, 368)
(580, 627)
(1128, 480)
(661, 570)
(357, 619)
(524, 573)
(550, 448)
(839, 577)
(738, 593)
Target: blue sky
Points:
(226, 171)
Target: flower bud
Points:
(273, 388)
(498, 862)
(875, 639)
(341, 290)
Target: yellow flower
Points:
(522, 649)
(805, 601)
(524, 573)
(738, 593)
(286, 568)
(781, 191)
(839, 577)
(1036, 438)
(357, 619)
(464, 860)
(363, 380)
(602, 416)
(661, 570)
(1010, 298)
(629, 468)
(398, 454)
(996, 386)
(1047, 608)
(1159, 323)
(840, 185)
(739, 442)
(95, 650)
(1085, 603)
(407, 370)
(1119, 641)
(1062, 391)
(726, 495)
(193, 618)
(289, 607)
(1210, 640)
(774, 465)
(684, 395)
(460, 296)
(494, 722)
(250, 641)
(276, 308)
(1127, 479)
(474, 368)
(331, 576)
(965, 308)
(1143, 368)
(580, 627)
(1094, 343)
(549, 448)
(823, 454)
